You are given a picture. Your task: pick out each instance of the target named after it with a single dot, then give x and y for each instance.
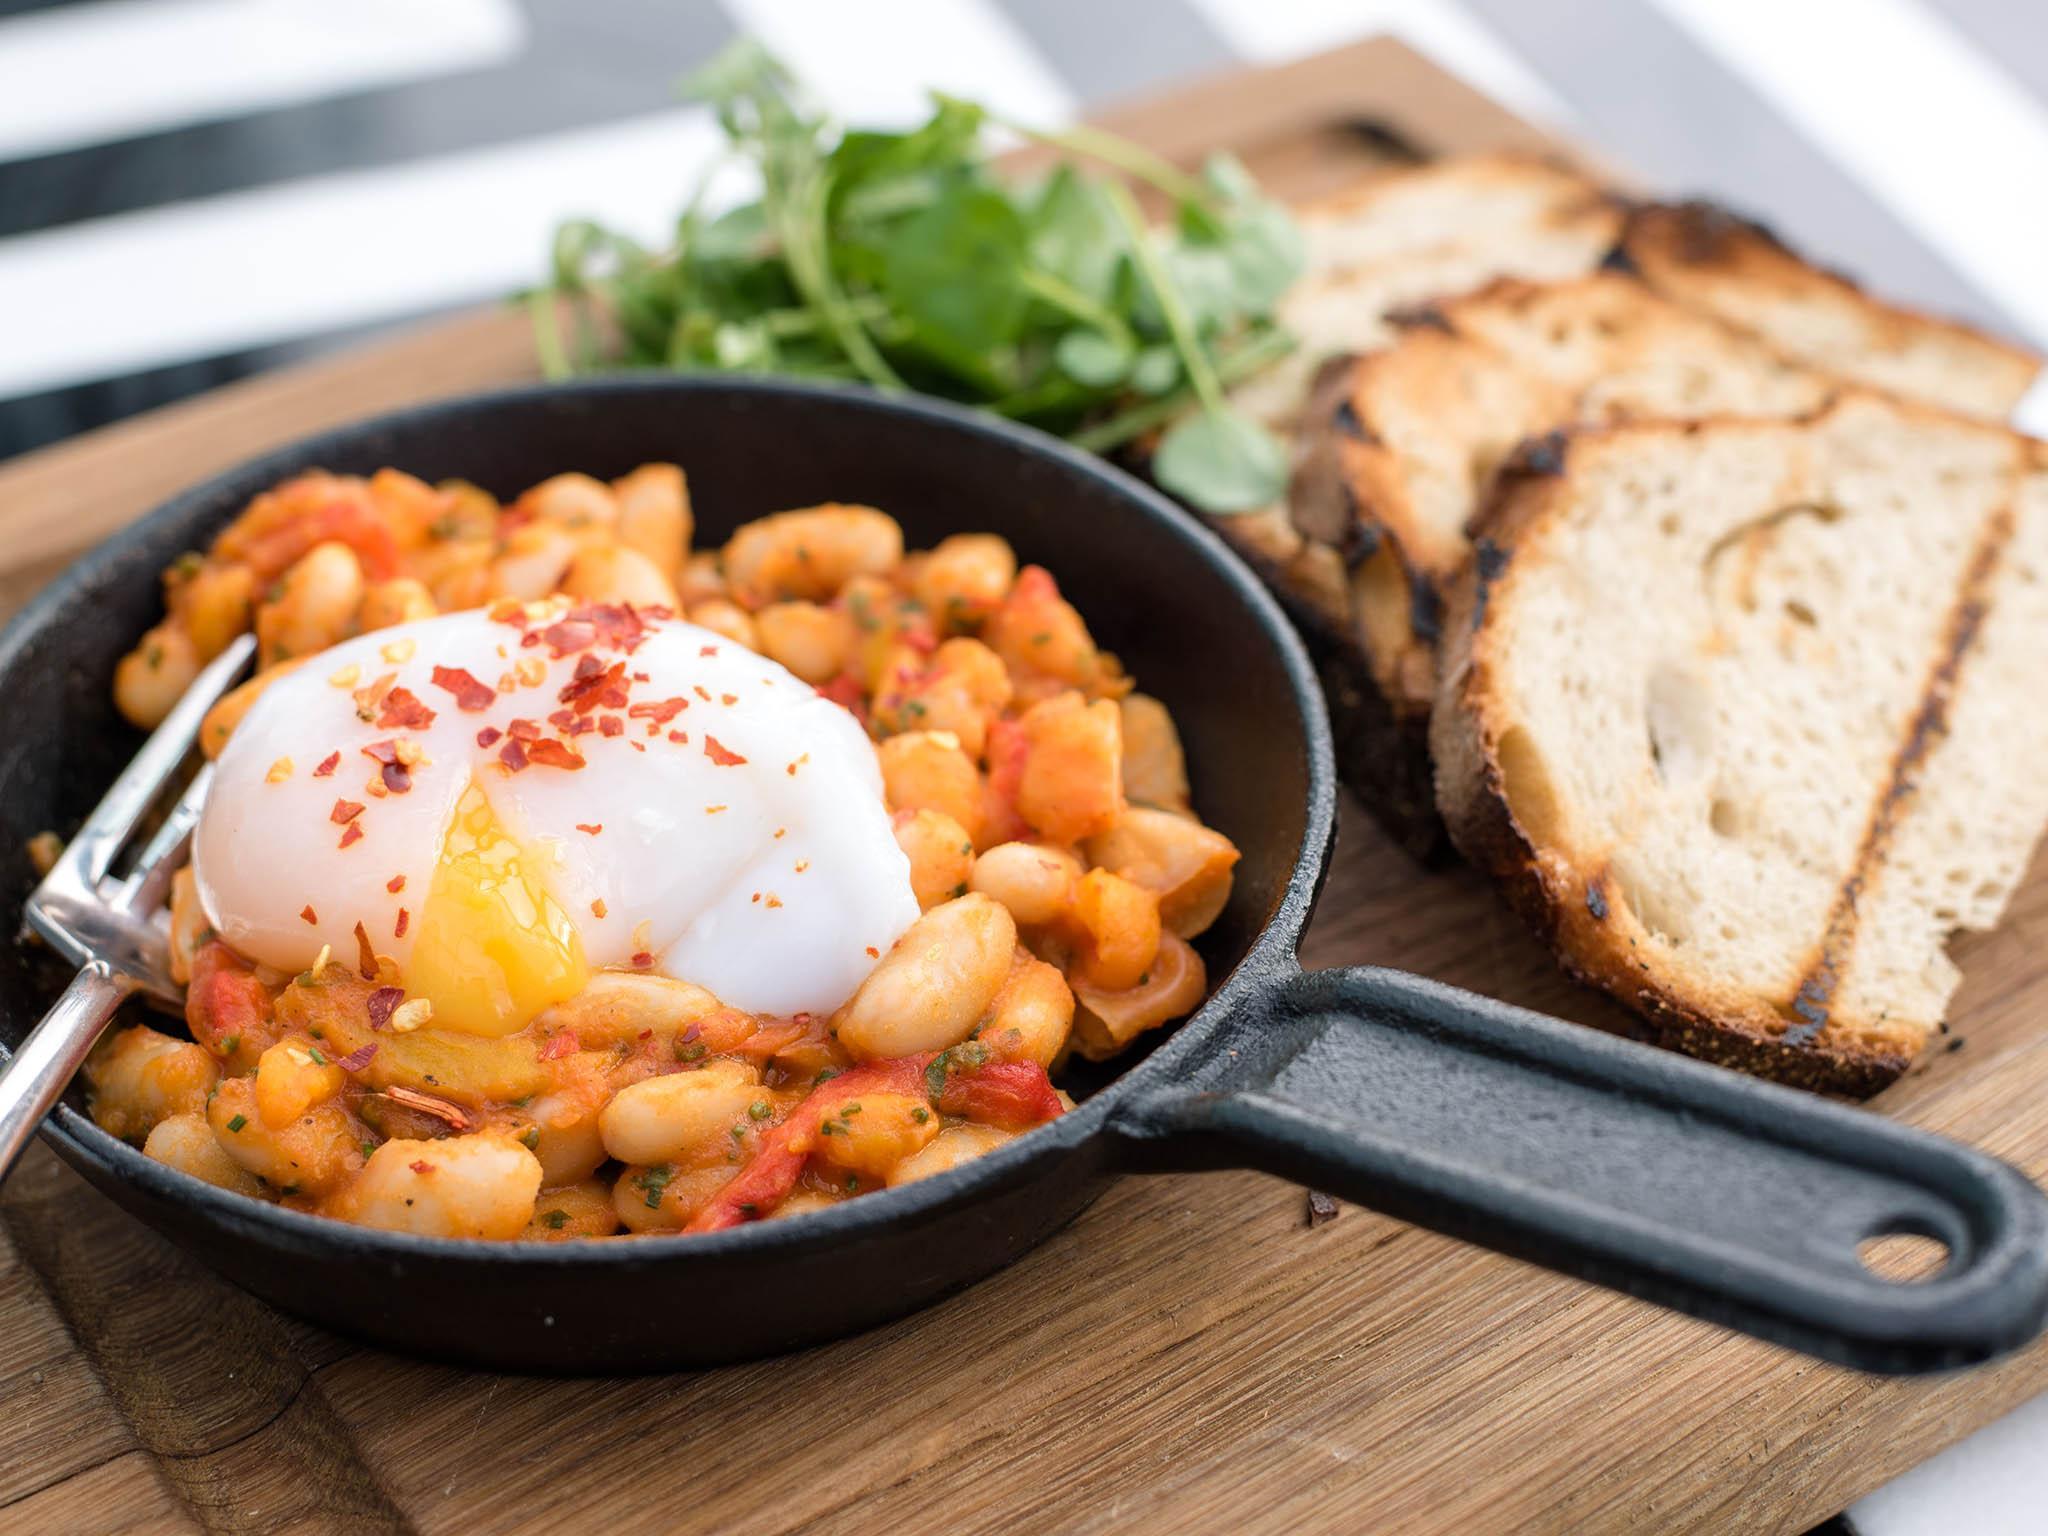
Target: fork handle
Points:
(35, 1078)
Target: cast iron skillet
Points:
(1726, 1198)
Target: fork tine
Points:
(147, 885)
(91, 853)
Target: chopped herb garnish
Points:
(920, 1115)
(314, 1052)
(369, 1147)
(530, 1138)
(652, 1182)
(238, 1122)
(760, 1109)
(825, 1076)
(554, 1220)
(229, 1044)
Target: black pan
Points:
(1730, 1199)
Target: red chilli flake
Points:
(512, 755)
(701, 691)
(403, 709)
(596, 685)
(327, 766)
(707, 650)
(728, 699)
(562, 1042)
(680, 738)
(395, 884)
(345, 811)
(660, 712)
(421, 1166)
(550, 753)
(718, 753)
(488, 736)
(642, 959)
(525, 730)
(591, 827)
(358, 1058)
(308, 915)
(404, 919)
(471, 694)
(427, 1104)
(366, 957)
(567, 636)
(610, 725)
(382, 1003)
(397, 778)
(352, 833)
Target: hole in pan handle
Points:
(1733, 1200)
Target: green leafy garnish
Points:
(902, 260)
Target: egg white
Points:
(773, 883)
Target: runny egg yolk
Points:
(492, 948)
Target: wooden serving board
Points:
(1188, 1356)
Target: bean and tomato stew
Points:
(1041, 801)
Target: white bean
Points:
(933, 987)
(460, 1186)
(660, 1119)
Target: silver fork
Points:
(107, 924)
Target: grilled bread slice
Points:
(1745, 716)
(1411, 234)
(1407, 442)
(1399, 239)
(1716, 262)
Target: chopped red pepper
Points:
(226, 1002)
(1014, 1095)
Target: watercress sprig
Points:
(905, 260)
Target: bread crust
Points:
(1700, 253)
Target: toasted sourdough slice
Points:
(1745, 716)
(1398, 239)
(1724, 265)
(1410, 235)
(1408, 437)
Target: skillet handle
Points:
(1734, 1200)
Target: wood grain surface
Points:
(1189, 1355)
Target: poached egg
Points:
(504, 801)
